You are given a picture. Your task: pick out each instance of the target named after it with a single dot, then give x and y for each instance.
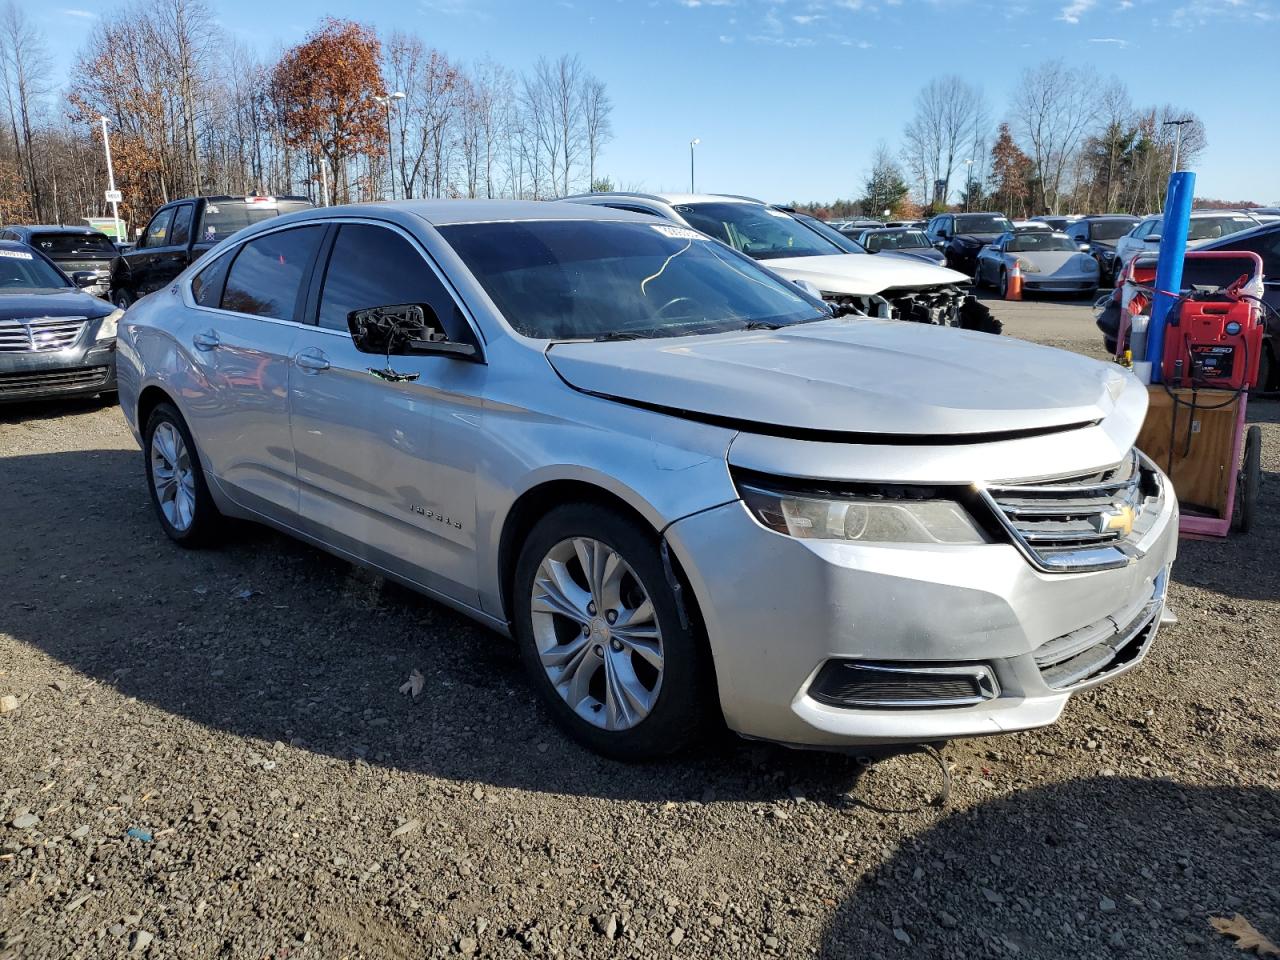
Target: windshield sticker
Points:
(677, 233)
(16, 255)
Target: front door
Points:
(243, 348)
(384, 445)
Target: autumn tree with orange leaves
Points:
(324, 89)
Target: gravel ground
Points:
(210, 758)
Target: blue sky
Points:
(790, 97)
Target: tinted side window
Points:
(268, 273)
(157, 234)
(207, 285)
(181, 231)
(1267, 246)
(373, 267)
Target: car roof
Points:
(442, 213)
(54, 228)
(15, 245)
(890, 229)
(673, 199)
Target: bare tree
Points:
(24, 65)
(597, 118)
(951, 122)
(1055, 107)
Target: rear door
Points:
(171, 257)
(385, 446)
(241, 337)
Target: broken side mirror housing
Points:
(403, 328)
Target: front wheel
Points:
(175, 479)
(602, 637)
(122, 299)
(1004, 285)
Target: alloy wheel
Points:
(597, 633)
(172, 476)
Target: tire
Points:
(122, 299)
(195, 525)
(556, 620)
(1250, 479)
(1004, 284)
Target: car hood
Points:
(65, 302)
(862, 274)
(976, 239)
(1055, 261)
(852, 376)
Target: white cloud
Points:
(1113, 41)
(804, 19)
(1072, 12)
(82, 14)
(725, 39)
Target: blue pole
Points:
(1173, 249)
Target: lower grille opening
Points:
(864, 684)
(55, 379)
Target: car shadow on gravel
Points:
(267, 638)
(30, 410)
(1090, 868)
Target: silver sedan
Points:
(1049, 263)
(686, 488)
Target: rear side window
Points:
(181, 232)
(267, 274)
(375, 267)
(207, 285)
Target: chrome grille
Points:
(52, 380)
(1084, 522)
(41, 334)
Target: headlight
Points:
(865, 518)
(1089, 264)
(107, 327)
(1026, 266)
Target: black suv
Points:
(1099, 235)
(961, 235)
(76, 250)
(180, 231)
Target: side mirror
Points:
(940, 244)
(84, 278)
(403, 328)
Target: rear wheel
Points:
(1250, 480)
(176, 481)
(602, 638)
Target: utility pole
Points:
(692, 143)
(1177, 139)
(391, 150)
(111, 181)
(968, 183)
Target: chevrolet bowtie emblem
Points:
(1118, 521)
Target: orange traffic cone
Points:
(1013, 284)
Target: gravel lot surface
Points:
(210, 758)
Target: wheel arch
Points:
(150, 398)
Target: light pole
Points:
(1177, 138)
(968, 181)
(391, 150)
(692, 143)
(111, 180)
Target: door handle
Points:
(207, 340)
(312, 359)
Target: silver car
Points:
(1049, 263)
(685, 488)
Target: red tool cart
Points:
(1195, 427)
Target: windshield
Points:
(222, 218)
(1028, 242)
(93, 246)
(1110, 229)
(895, 240)
(757, 231)
(982, 223)
(1210, 228)
(847, 244)
(22, 272)
(585, 279)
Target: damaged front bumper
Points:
(945, 305)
